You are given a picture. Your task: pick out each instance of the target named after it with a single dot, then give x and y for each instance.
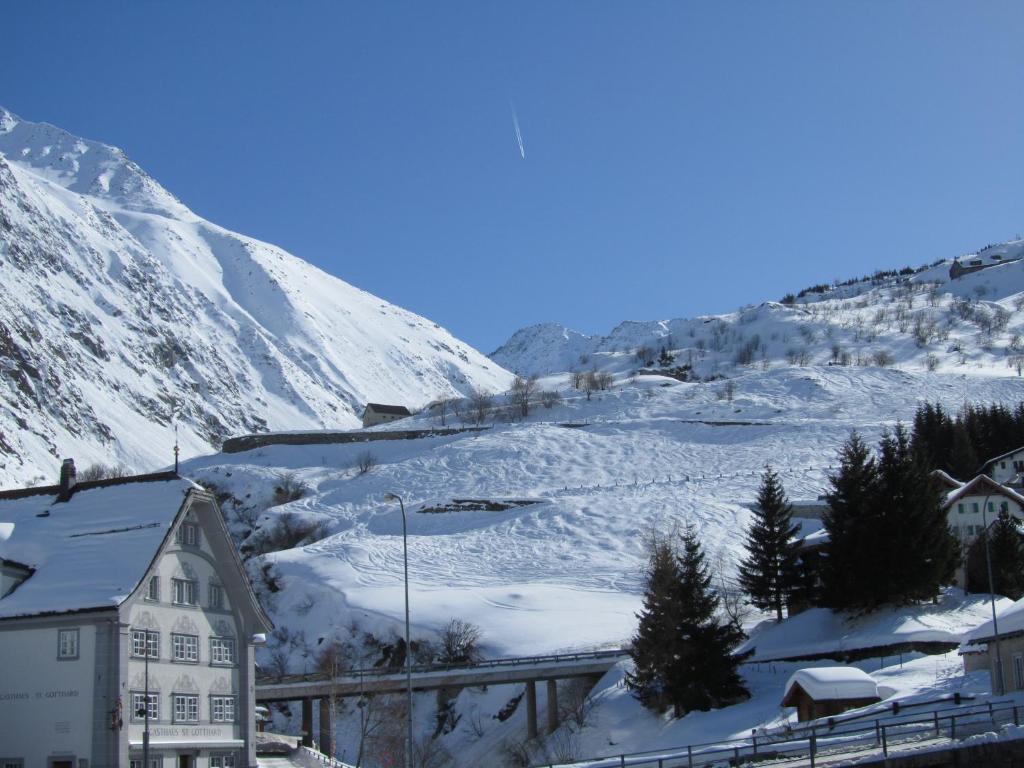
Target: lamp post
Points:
(408, 643)
(992, 597)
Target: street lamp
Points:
(992, 596)
(408, 643)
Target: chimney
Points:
(67, 480)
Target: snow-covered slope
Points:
(910, 316)
(124, 312)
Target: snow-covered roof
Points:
(946, 479)
(1010, 621)
(395, 410)
(982, 485)
(826, 683)
(91, 551)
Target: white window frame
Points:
(222, 760)
(185, 592)
(153, 589)
(145, 642)
(216, 594)
(222, 651)
(1018, 671)
(67, 644)
(154, 706)
(187, 535)
(222, 709)
(185, 707)
(184, 648)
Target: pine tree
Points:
(769, 569)
(656, 636)
(848, 524)
(889, 540)
(916, 552)
(703, 673)
(682, 654)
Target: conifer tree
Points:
(682, 653)
(847, 523)
(657, 633)
(768, 570)
(703, 671)
(1006, 549)
(915, 551)
(889, 540)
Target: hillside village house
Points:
(1007, 469)
(377, 413)
(964, 506)
(120, 599)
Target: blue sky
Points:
(681, 158)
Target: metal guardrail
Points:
(823, 742)
(323, 759)
(420, 669)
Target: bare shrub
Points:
(365, 461)
(550, 398)
(576, 703)
(522, 394)
(931, 362)
(289, 531)
(460, 642)
(644, 355)
(480, 406)
(1016, 362)
(883, 358)
(289, 488)
(101, 471)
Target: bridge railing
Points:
(821, 742)
(419, 669)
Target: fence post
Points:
(755, 737)
(814, 746)
(936, 713)
(885, 744)
(878, 733)
(622, 761)
(952, 727)
(689, 756)
(1016, 719)
(736, 754)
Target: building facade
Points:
(135, 617)
(378, 413)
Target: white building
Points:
(120, 599)
(1006, 469)
(964, 506)
(379, 413)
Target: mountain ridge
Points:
(133, 315)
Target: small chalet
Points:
(377, 413)
(976, 263)
(1007, 469)
(125, 617)
(826, 691)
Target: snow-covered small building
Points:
(826, 691)
(378, 413)
(1007, 469)
(124, 610)
(1010, 621)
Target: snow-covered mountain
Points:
(125, 313)
(913, 314)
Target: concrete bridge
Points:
(359, 682)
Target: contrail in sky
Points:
(519, 134)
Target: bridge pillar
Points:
(326, 728)
(531, 709)
(307, 722)
(552, 706)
